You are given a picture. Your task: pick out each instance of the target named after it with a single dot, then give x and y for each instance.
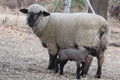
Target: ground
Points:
(22, 56)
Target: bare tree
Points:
(100, 7)
(67, 6)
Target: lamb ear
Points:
(25, 11)
(88, 48)
(46, 13)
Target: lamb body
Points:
(78, 55)
(72, 54)
(68, 30)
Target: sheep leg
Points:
(57, 61)
(100, 63)
(86, 66)
(78, 71)
(62, 63)
(83, 65)
(52, 58)
(102, 47)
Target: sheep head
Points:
(33, 12)
(92, 50)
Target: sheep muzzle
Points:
(31, 19)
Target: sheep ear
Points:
(46, 13)
(25, 11)
(86, 48)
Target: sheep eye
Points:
(40, 13)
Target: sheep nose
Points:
(31, 25)
(30, 22)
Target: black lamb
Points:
(72, 54)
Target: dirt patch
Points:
(22, 56)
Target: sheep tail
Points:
(103, 36)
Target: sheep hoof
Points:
(61, 73)
(78, 78)
(97, 76)
(50, 67)
(49, 71)
(55, 71)
(84, 75)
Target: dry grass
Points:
(22, 56)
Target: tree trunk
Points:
(67, 6)
(100, 7)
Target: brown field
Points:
(22, 56)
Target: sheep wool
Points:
(68, 29)
(77, 55)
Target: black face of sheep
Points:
(32, 17)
